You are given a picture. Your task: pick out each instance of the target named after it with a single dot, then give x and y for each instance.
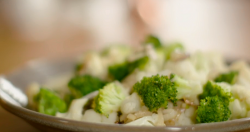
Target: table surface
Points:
(11, 123)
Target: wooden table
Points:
(11, 123)
(15, 52)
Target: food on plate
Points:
(154, 84)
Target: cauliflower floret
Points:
(111, 119)
(152, 120)
(131, 104)
(241, 105)
(94, 65)
(182, 114)
(134, 116)
(187, 89)
(212, 63)
(92, 116)
(169, 114)
(75, 110)
(116, 54)
(183, 120)
(186, 70)
(157, 59)
(244, 73)
(238, 109)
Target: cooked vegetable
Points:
(84, 84)
(120, 71)
(214, 89)
(153, 40)
(172, 48)
(156, 91)
(109, 99)
(214, 103)
(49, 103)
(229, 77)
(68, 98)
(213, 109)
(151, 84)
(187, 90)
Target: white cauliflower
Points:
(186, 70)
(94, 65)
(241, 105)
(92, 116)
(187, 89)
(75, 110)
(150, 120)
(115, 54)
(181, 115)
(244, 73)
(131, 104)
(212, 63)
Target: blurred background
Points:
(31, 29)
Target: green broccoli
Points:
(214, 103)
(84, 84)
(68, 98)
(49, 103)
(153, 40)
(229, 77)
(169, 49)
(156, 91)
(214, 89)
(212, 109)
(120, 71)
(109, 99)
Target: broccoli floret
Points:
(171, 48)
(188, 90)
(49, 103)
(109, 99)
(153, 40)
(214, 103)
(229, 77)
(156, 91)
(120, 71)
(68, 98)
(84, 84)
(212, 109)
(213, 89)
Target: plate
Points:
(42, 70)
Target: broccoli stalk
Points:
(153, 40)
(49, 103)
(109, 99)
(214, 103)
(84, 84)
(121, 70)
(229, 77)
(171, 48)
(156, 91)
